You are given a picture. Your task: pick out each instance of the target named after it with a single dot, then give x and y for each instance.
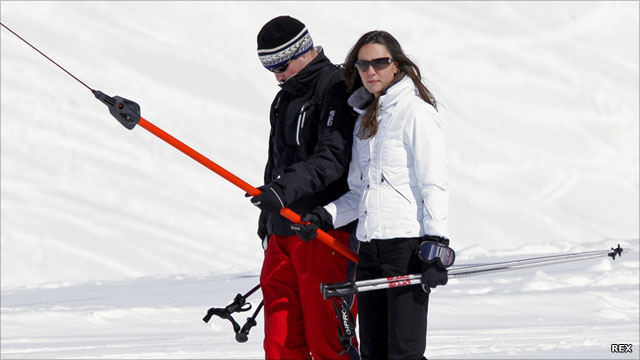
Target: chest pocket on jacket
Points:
(304, 132)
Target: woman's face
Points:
(378, 75)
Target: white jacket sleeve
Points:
(426, 140)
(345, 209)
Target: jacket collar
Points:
(304, 80)
(395, 92)
(361, 98)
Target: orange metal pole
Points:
(286, 212)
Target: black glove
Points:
(318, 218)
(271, 199)
(432, 274)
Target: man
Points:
(309, 153)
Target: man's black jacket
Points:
(309, 143)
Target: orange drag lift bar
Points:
(127, 112)
(286, 212)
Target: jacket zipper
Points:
(301, 116)
(394, 188)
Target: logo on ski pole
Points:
(401, 280)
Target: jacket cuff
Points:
(435, 238)
(332, 210)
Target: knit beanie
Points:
(282, 39)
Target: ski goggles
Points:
(378, 64)
(431, 251)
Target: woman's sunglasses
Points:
(378, 64)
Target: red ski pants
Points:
(299, 323)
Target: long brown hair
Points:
(369, 122)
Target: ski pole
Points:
(127, 112)
(341, 289)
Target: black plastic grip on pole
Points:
(243, 334)
(337, 289)
(127, 112)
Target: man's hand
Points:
(271, 199)
(318, 218)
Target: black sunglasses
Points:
(378, 64)
(282, 68)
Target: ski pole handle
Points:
(286, 212)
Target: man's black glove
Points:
(432, 273)
(271, 199)
(318, 218)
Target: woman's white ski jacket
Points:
(398, 179)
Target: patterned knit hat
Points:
(282, 39)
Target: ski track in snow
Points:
(115, 244)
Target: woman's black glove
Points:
(432, 273)
(271, 199)
(432, 276)
(318, 218)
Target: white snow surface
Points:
(114, 244)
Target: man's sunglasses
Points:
(378, 64)
(282, 68)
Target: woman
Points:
(398, 190)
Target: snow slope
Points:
(114, 244)
(573, 311)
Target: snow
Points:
(114, 244)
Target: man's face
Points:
(294, 67)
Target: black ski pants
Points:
(392, 322)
